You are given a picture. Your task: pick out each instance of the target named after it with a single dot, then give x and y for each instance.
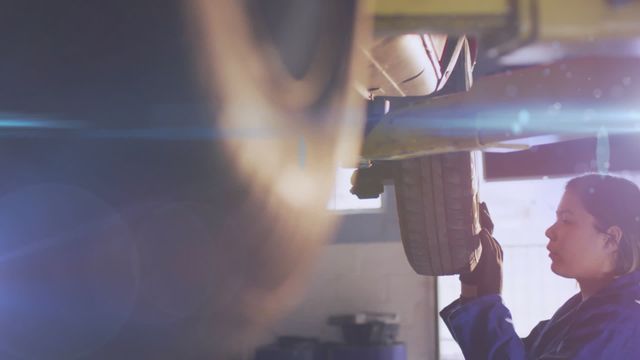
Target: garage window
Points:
(343, 200)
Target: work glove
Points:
(486, 278)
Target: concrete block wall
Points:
(367, 277)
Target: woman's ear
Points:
(614, 234)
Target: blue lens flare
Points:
(556, 118)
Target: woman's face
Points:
(577, 250)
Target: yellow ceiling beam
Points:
(440, 7)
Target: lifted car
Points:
(544, 75)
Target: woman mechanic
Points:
(595, 240)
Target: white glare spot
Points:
(557, 106)
(511, 321)
(626, 81)
(638, 301)
(597, 93)
(523, 116)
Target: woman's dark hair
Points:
(613, 201)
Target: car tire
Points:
(437, 200)
(298, 105)
(215, 150)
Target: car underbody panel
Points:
(565, 100)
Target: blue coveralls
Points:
(605, 326)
